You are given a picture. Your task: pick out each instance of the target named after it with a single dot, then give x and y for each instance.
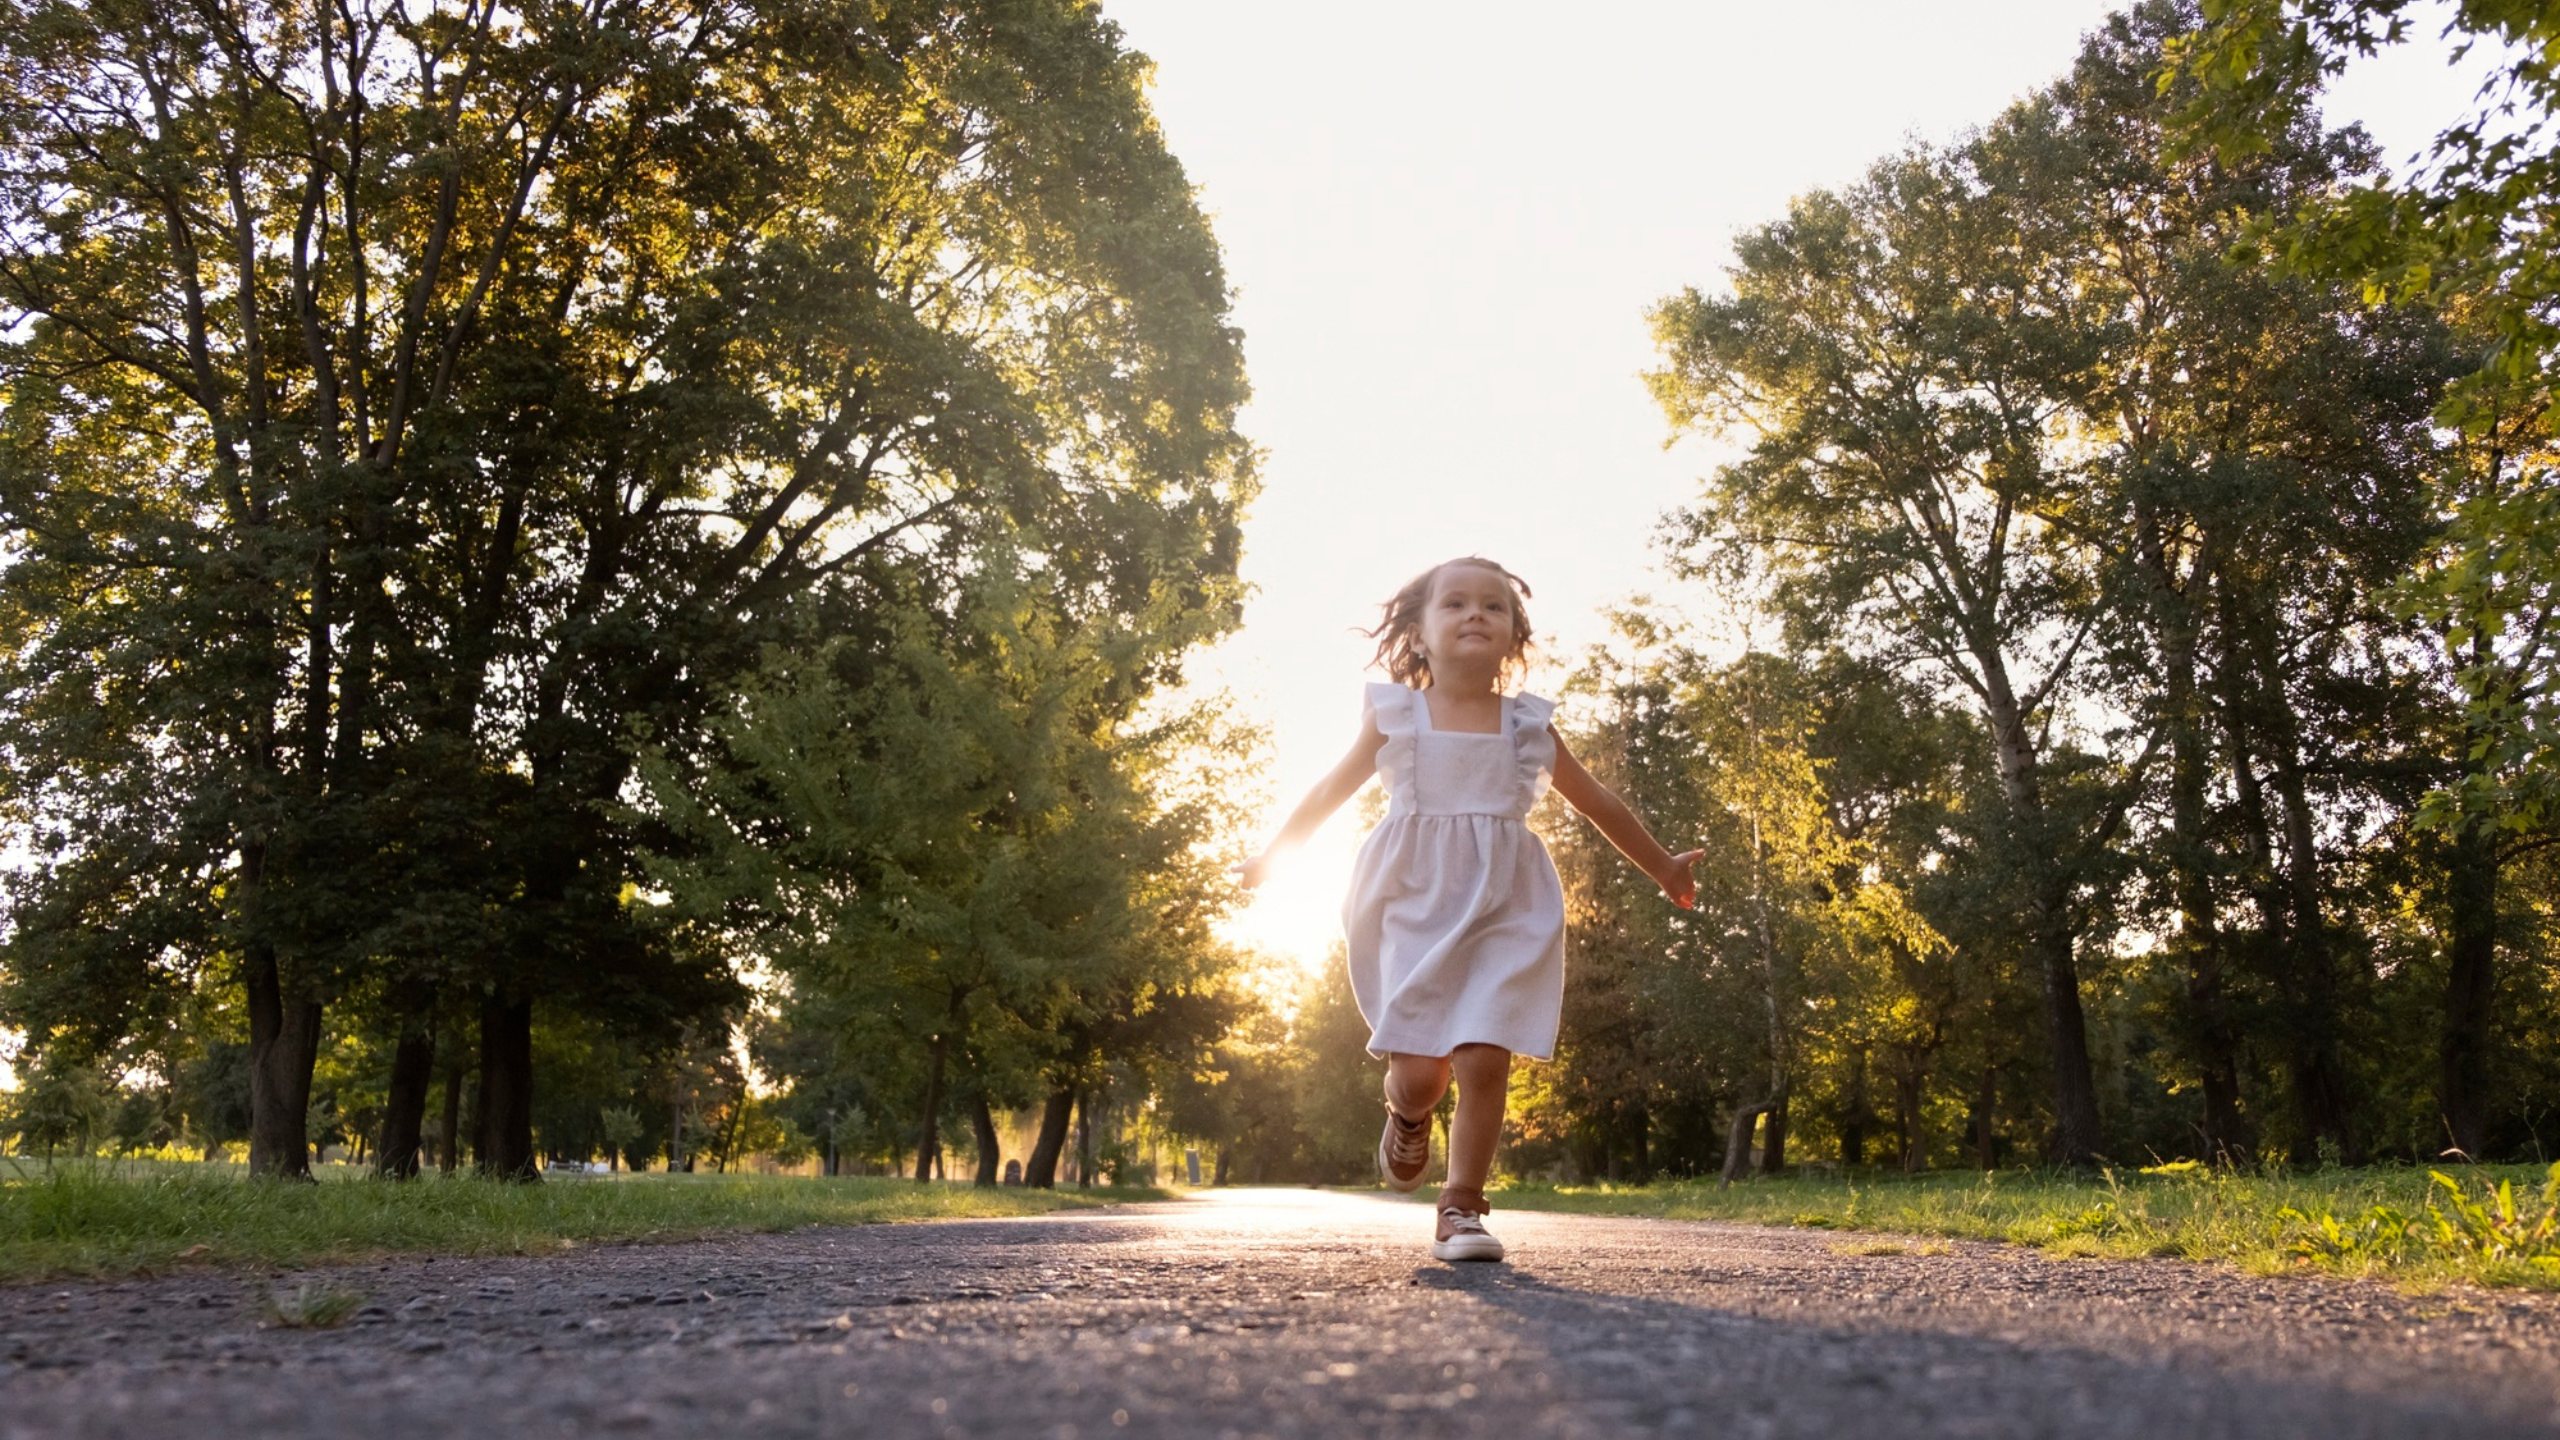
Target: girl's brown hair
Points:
(1399, 632)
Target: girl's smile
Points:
(1468, 622)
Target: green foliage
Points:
(2493, 1233)
(402, 412)
(2465, 224)
(211, 1094)
(2380, 1235)
(1804, 957)
(2099, 537)
(2495, 1227)
(968, 853)
(98, 1218)
(1290, 1093)
(619, 1125)
(309, 1307)
(2402, 1222)
(2465, 231)
(2102, 1221)
(58, 1105)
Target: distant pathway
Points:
(1282, 1313)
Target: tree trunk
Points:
(2225, 1134)
(1773, 1137)
(2264, 725)
(1907, 1097)
(2470, 989)
(1853, 1125)
(284, 1042)
(404, 1108)
(734, 1132)
(2210, 1038)
(449, 1138)
(505, 1143)
(1226, 1153)
(1737, 1142)
(1041, 1170)
(2322, 1089)
(929, 1149)
(1986, 1144)
(990, 1149)
(2052, 938)
(1084, 1141)
(2075, 1090)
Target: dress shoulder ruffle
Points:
(1531, 712)
(1391, 705)
(1535, 745)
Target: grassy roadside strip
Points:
(94, 1219)
(2395, 1223)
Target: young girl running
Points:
(1456, 919)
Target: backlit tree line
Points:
(2134, 746)
(560, 552)
(612, 579)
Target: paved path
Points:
(1282, 1313)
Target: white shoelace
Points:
(1411, 1145)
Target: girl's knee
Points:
(1415, 1083)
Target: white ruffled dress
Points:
(1455, 922)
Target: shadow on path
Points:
(1888, 1374)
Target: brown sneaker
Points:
(1462, 1235)
(1404, 1151)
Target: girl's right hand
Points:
(1253, 872)
(1680, 885)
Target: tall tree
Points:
(2020, 406)
(2461, 230)
(968, 844)
(2265, 476)
(403, 406)
(1901, 355)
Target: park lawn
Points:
(2390, 1222)
(92, 1218)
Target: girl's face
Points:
(1468, 622)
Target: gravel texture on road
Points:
(1275, 1313)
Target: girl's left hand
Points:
(1680, 885)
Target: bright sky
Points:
(1445, 222)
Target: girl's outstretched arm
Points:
(1338, 785)
(1601, 806)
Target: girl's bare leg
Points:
(1415, 1083)
(1483, 1073)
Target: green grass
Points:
(94, 1218)
(2389, 1222)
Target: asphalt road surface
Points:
(1280, 1313)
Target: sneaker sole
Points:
(1467, 1247)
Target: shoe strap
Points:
(1466, 1198)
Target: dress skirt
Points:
(1455, 922)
